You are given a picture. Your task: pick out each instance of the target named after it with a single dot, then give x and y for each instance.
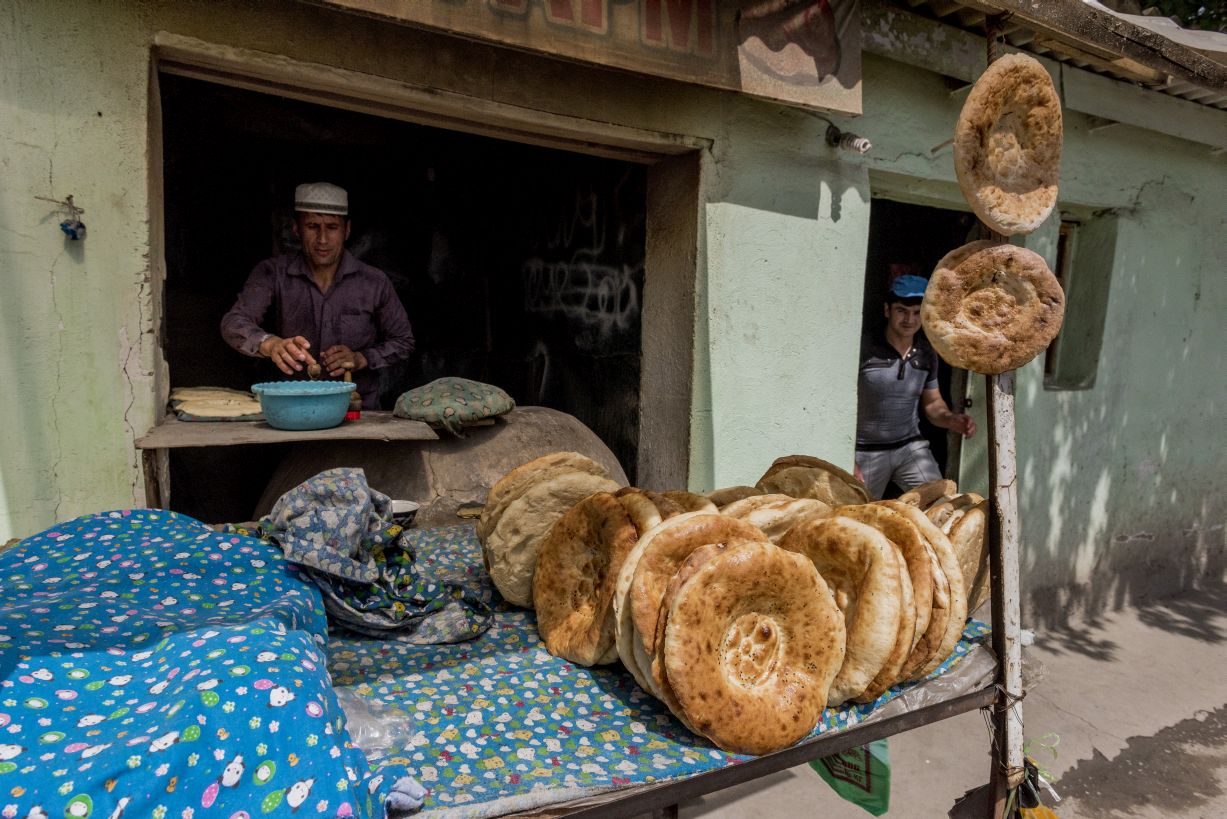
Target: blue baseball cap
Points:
(908, 287)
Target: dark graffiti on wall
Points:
(589, 273)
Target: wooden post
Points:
(954, 440)
(1008, 767)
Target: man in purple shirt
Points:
(322, 299)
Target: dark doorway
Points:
(914, 238)
(518, 266)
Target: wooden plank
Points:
(1099, 32)
(425, 105)
(1006, 592)
(900, 35)
(1102, 97)
(648, 798)
(172, 433)
(805, 52)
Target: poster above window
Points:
(801, 52)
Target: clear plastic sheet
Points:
(378, 728)
(975, 671)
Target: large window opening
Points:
(518, 265)
(908, 238)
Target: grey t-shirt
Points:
(888, 391)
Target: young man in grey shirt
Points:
(898, 376)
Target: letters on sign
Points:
(804, 52)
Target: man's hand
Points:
(962, 424)
(339, 358)
(289, 354)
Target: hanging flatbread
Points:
(752, 642)
(514, 483)
(577, 570)
(1007, 145)
(512, 546)
(990, 308)
(862, 569)
(723, 497)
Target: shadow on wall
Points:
(1120, 485)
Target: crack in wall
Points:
(59, 387)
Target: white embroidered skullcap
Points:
(321, 197)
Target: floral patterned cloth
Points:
(341, 532)
(453, 402)
(498, 724)
(152, 667)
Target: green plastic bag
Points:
(861, 775)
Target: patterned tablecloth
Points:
(498, 724)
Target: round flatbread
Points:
(751, 644)
(641, 509)
(743, 507)
(512, 546)
(577, 570)
(827, 483)
(923, 496)
(518, 480)
(1007, 145)
(957, 612)
(689, 501)
(916, 555)
(990, 308)
(862, 569)
(630, 650)
(940, 510)
(660, 678)
(723, 497)
(969, 537)
(667, 551)
(777, 517)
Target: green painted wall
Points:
(1116, 480)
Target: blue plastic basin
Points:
(304, 404)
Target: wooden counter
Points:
(171, 433)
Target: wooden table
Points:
(171, 433)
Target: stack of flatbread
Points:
(746, 611)
(522, 508)
(214, 404)
(898, 583)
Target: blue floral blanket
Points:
(152, 667)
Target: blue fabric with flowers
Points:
(152, 667)
(341, 532)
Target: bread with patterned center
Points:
(751, 643)
(990, 307)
